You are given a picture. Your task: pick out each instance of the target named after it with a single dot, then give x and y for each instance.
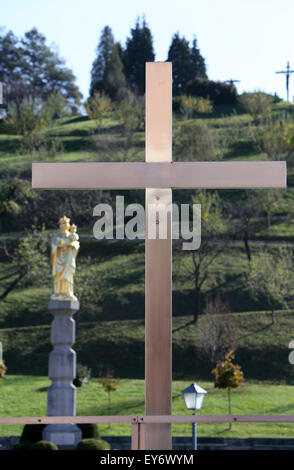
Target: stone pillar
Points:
(61, 397)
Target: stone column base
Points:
(65, 436)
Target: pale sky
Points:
(246, 40)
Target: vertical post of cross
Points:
(158, 307)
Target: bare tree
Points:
(217, 331)
(196, 265)
(271, 276)
(243, 212)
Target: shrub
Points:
(191, 105)
(130, 112)
(43, 445)
(98, 107)
(49, 147)
(258, 104)
(29, 118)
(32, 433)
(89, 430)
(193, 141)
(26, 117)
(93, 444)
(22, 445)
(220, 93)
(57, 105)
(275, 139)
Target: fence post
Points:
(135, 435)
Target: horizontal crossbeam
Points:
(150, 419)
(67, 420)
(217, 419)
(181, 175)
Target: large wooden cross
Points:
(158, 175)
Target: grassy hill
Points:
(111, 320)
(119, 346)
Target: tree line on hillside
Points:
(31, 68)
(38, 87)
(118, 70)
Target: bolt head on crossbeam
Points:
(180, 175)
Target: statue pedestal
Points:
(61, 397)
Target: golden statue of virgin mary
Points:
(64, 249)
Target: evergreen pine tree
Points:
(9, 57)
(198, 62)
(179, 55)
(139, 49)
(115, 84)
(187, 62)
(29, 68)
(101, 63)
(10, 70)
(107, 74)
(35, 56)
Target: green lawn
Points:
(26, 396)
